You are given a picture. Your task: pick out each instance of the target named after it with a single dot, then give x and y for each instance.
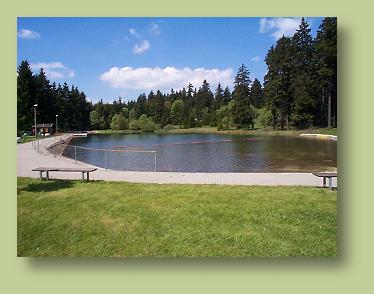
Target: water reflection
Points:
(207, 153)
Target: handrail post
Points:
(106, 161)
(155, 161)
(75, 153)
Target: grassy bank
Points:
(61, 217)
(109, 132)
(210, 130)
(213, 130)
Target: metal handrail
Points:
(112, 150)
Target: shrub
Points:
(119, 122)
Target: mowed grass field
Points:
(73, 218)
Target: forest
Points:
(299, 91)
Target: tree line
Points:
(301, 82)
(68, 103)
(299, 91)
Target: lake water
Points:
(206, 153)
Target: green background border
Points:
(350, 271)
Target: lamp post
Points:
(35, 130)
(56, 124)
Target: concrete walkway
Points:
(28, 158)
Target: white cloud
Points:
(147, 78)
(255, 58)
(154, 29)
(53, 70)
(279, 26)
(141, 47)
(134, 32)
(28, 34)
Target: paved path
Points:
(28, 158)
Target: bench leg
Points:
(41, 175)
(324, 182)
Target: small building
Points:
(45, 128)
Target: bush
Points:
(224, 124)
(264, 118)
(119, 122)
(146, 124)
(134, 125)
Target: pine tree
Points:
(243, 112)
(278, 81)
(326, 67)
(141, 105)
(25, 97)
(302, 80)
(218, 97)
(227, 97)
(257, 94)
(47, 105)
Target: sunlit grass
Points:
(69, 218)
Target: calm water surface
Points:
(207, 153)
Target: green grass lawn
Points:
(70, 218)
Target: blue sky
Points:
(111, 57)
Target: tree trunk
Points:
(323, 116)
(287, 121)
(329, 109)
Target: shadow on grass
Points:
(48, 186)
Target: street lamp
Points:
(56, 124)
(35, 105)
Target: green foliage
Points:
(257, 94)
(134, 125)
(243, 114)
(224, 117)
(96, 121)
(119, 122)
(264, 118)
(302, 77)
(69, 103)
(177, 112)
(144, 123)
(132, 115)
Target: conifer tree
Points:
(257, 94)
(243, 114)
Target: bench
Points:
(328, 176)
(64, 169)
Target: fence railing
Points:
(105, 153)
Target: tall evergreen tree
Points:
(227, 96)
(25, 97)
(303, 77)
(219, 97)
(141, 105)
(326, 67)
(278, 81)
(257, 94)
(243, 112)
